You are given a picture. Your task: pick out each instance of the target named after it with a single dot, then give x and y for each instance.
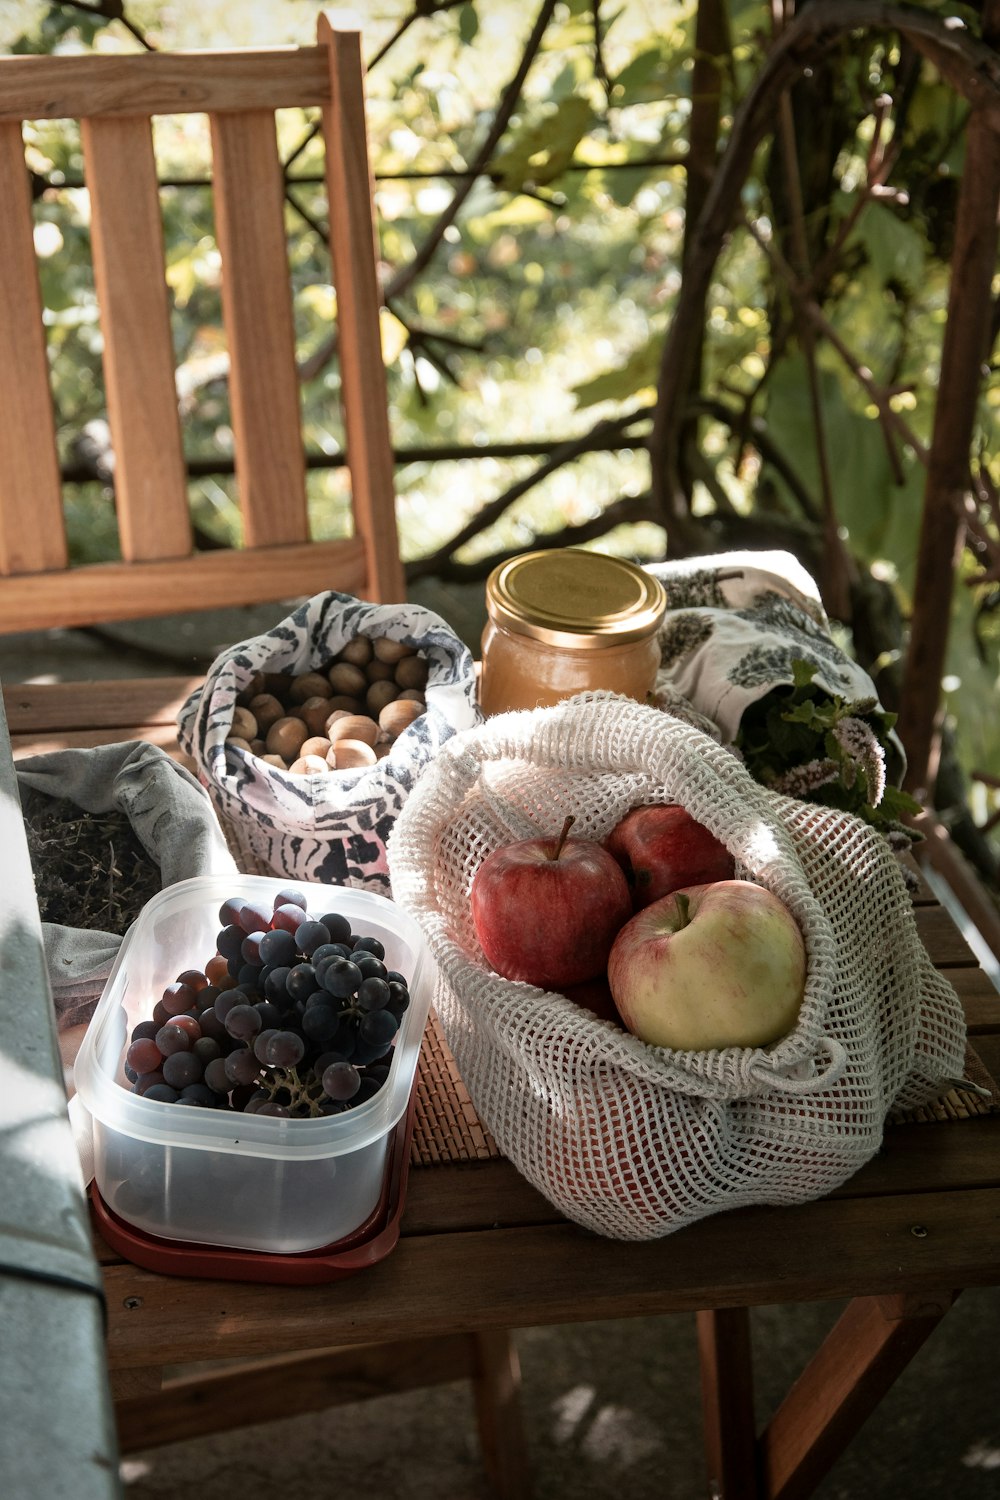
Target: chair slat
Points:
(127, 234)
(256, 301)
(132, 591)
(161, 83)
(32, 530)
(354, 249)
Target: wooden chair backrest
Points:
(114, 98)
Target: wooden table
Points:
(481, 1252)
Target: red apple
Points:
(721, 965)
(661, 848)
(594, 995)
(547, 910)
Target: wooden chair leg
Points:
(870, 1345)
(725, 1353)
(497, 1385)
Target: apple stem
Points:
(683, 904)
(562, 837)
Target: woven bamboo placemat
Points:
(447, 1129)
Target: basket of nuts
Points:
(309, 737)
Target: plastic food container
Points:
(213, 1177)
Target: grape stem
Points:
(562, 837)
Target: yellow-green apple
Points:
(662, 848)
(719, 965)
(546, 910)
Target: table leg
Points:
(870, 1345)
(496, 1384)
(725, 1352)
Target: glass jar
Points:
(568, 621)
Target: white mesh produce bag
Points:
(634, 1141)
(332, 826)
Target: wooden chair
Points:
(114, 98)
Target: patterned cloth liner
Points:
(634, 1141)
(735, 623)
(328, 827)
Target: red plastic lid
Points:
(364, 1246)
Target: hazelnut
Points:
(380, 671)
(316, 744)
(253, 685)
(267, 710)
(244, 726)
(347, 704)
(351, 753)
(277, 761)
(258, 747)
(353, 727)
(391, 651)
(309, 765)
(234, 742)
(314, 714)
(309, 685)
(277, 683)
(346, 678)
(412, 695)
(285, 737)
(358, 652)
(378, 695)
(399, 715)
(411, 672)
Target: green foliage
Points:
(819, 747)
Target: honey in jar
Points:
(568, 621)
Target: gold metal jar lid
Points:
(574, 598)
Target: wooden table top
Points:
(480, 1248)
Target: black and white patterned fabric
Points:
(330, 827)
(735, 624)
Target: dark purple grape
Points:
(310, 935)
(337, 926)
(370, 945)
(324, 953)
(289, 917)
(145, 1029)
(248, 977)
(255, 917)
(242, 1066)
(301, 982)
(163, 1093)
(399, 999)
(250, 949)
(144, 1056)
(194, 978)
(278, 947)
(377, 1027)
(252, 1105)
(130, 1073)
(369, 1088)
(276, 986)
(160, 1016)
(229, 911)
(270, 1014)
(320, 1022)
(285, 1049)
(198, 1094)
(216, 1076)
(178, 998)
(341, 977)
(243, 1022)
(182, 1068)
(205, 999)
(211, 1026)
(290, 897)
(230, 941)
(370, 966)
(207, 1048)
(226, 1001)
(241, 1094)
(273, 1108)
(373, 994)
(146, 1081)
(260, 1042)
(341, 1081)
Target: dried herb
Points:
(90, 869)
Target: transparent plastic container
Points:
(253, 1182)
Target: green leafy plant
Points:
(808, 743)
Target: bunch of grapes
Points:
(293, 1016)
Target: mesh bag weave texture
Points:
(634, 1141)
